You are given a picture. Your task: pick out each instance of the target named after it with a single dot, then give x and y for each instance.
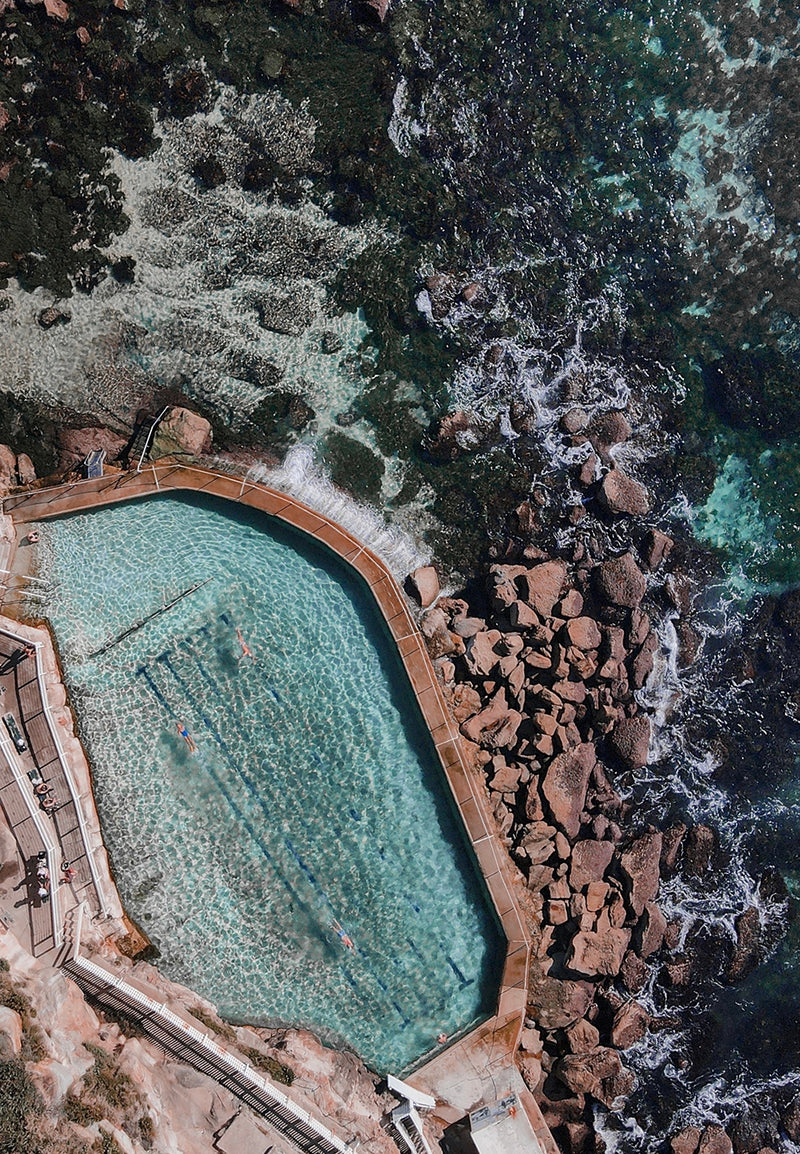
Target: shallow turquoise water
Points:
(313, 794)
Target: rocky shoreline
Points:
(541, 664)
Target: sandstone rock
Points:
(468, 626)
(699, 849)
(565, 784)
(671, 846)
(596, 894)
(464, 701)
(583, 1073)
(481, 652)
(642, 663)
(749, 951)
(638, 628)
(629, 1026)
(621, 495)
(57, 9)
(554, 1004)
(598, 953)
(621, 582)
(182, 431)
(439, 639)
(608, 429)
(582, 1037)
(639, 868)
(657, 547)
(8, 469)
(574, 420)
(649, 934)
(570, 605)
(714, 1140)
(630, 741)
(425, 584)
(588, 471)
(633, 972)
(76, 444)
(522, 616)
(686, 1141)
(506, 779)
(590, 860)
(495, 725)
(583, 633)
(10, 1033)
(25, 470)
(543, 585)
(52, 316)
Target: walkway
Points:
(491, 1047)
(188, 1041)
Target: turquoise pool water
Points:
(313, 794)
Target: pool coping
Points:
(501, 1032)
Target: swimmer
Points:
(343, 936)
(68, 873)
(187, 737)
(441, 1038)
(32, 537)
(246, 650)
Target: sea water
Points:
(313, 794)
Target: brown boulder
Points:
(438, 638)
(8, 469)
(481, 652)
(554, 1004)
(570, 605)
(621, 582)
(25, 470)
(425, 585)
(598, 953)
(714, 1140)
(590, 860)
(76, 444)
(629, 1026)
(543, 584)
(582, 632)
(671, 847)
(574, 420)
(583, 1073)
(699, 850)
(649, 933)
(642, 664)
(633, 972)
(495, 725)
(182, 431)
(630, 740)
(582, 1037)
(608, 429)
(749, 951)
(464, 701)
(657, 547)
(621, 495)
(686, 1141)
(565, 784)
(639, 867)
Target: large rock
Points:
(639, 868)
(686, 1141)
(608, 429)
(543, 584)
(76, 444)
(582, 1037)
(699, 849)
(8, 470)
(482, 652)
(600, 1074)
(464, 701)
(621, 495)
(621, 582)
(630, 740)
(629, 1025)
(598, 954)
(495, 725)
(590, 860)
(649, 932)
(657, 547)
(565, 784)
(25, 470)
(749, 949)
(182, 431)
(583, 633)
(425, 585)
(714, 1140)
(438, 638)
(554, 1004)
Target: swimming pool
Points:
(314, 793)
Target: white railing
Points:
(44, 833)
(199, 1045)
(149, 438)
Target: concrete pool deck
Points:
(485, 1052)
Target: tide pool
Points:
(313, 796)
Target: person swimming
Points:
(187, 737)
(246, 650)
(343, 936)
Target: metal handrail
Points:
(149, 438)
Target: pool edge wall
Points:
(504, 1027)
